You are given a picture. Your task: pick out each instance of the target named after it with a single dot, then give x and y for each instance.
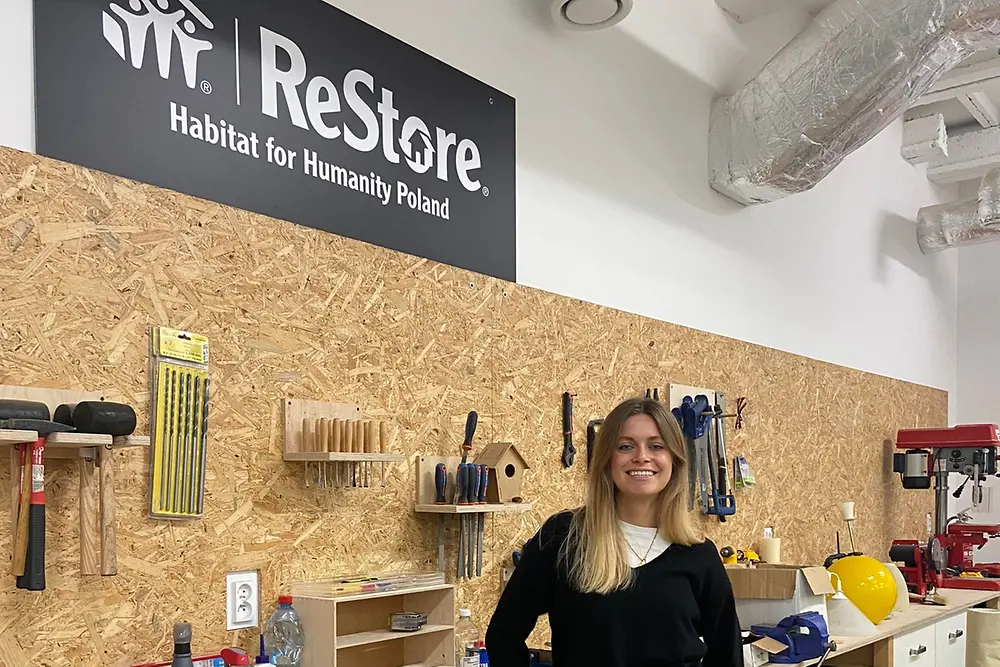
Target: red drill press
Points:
(945, 560)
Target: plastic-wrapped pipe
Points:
(962, 223)
(849, 74)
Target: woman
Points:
(625, 579)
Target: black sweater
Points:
(677, 597)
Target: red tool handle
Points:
(34, 568)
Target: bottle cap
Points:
(465, 613)
(182, 633)
(284, 599)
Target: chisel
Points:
(484, 478)
(440, 483)
(461, 484)
(473, 497)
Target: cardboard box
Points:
(765, 594)
(759, 652)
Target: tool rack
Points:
(95, 456)
(308, 439)
(426, 492)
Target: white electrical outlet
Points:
(242, 600)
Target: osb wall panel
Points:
(88, 262)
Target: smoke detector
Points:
(590, 14)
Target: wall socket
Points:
(242, 600)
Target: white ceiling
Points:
(967, 100)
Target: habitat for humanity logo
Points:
(143, 16)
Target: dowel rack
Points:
(337, 444)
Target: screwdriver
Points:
(440, 482)
(484, 478)
(473, 496)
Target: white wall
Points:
(614, 205)
(978, 381)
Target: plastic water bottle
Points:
(466, 640)
(283, 636)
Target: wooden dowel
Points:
(89, 511)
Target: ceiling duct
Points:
(962, 223)
(851, 72)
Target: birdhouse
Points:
(507, 468)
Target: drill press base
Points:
(971, 583)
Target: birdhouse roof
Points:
(493, 452)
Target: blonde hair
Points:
(595, 553)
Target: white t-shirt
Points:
(640, 538)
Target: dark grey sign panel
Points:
(292, 109)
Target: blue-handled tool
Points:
(472, 495)
(695, 418)
(484, 479)
(461, 484)
(722, 503)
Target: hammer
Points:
(106, 418)
(29, 541)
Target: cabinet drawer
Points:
(915, 649)
(950, 638)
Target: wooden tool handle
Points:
(324, 435)
(24, 500)
(307, 435)
(89, 536)
(359, 436)
(348, 436)
(369, 437)
(109, 537)
(337, 435)
(383, 438)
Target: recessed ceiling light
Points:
(590, 14)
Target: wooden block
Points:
(89, 511)
(298, 410)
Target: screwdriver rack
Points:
(94, 455)
(339, 447)
(426, 493)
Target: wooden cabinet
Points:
(353, 631)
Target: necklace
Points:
(642, 559)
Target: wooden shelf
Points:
(72, 440)
(379, 636)
(78, 440)
(505, 508)
(350, 457)
(9, 437)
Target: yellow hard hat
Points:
(868, 584)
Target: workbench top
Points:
(916, 617)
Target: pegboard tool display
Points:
(180, 388)
(701, 414)
(39, 426)
(339, 446)
(440, 491)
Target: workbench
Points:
(936, 635)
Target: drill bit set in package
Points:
(180, 391)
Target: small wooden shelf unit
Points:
(353, 630)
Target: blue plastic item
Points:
(805, 635)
